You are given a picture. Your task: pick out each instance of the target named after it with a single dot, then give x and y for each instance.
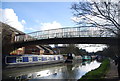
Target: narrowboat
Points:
(70, 58)
(86, 57)
(29, 60)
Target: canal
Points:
(55, 71)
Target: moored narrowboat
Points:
(29, 60)
(86, 57)
(70, 58)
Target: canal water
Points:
(55, 71)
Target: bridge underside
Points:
(74, 40)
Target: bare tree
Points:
(98, 14)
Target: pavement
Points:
(112, 73)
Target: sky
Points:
(35, 16)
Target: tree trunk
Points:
(119, 27)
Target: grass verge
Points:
(98, 73)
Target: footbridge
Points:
(68, 35)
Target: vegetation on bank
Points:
(98, 73)
(74, 49)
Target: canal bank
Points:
(112, 73)
(98, 73)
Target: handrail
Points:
(87, 31)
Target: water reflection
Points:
(62, 71)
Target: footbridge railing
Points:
(67, 32)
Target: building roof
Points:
(10, 29)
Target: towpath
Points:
(112, 73)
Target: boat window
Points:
(35, 59)
(25, 59)
(39, 58)
(58, 58)
(44, 58)
(19, 59)
(11, 59)
(54, 58)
